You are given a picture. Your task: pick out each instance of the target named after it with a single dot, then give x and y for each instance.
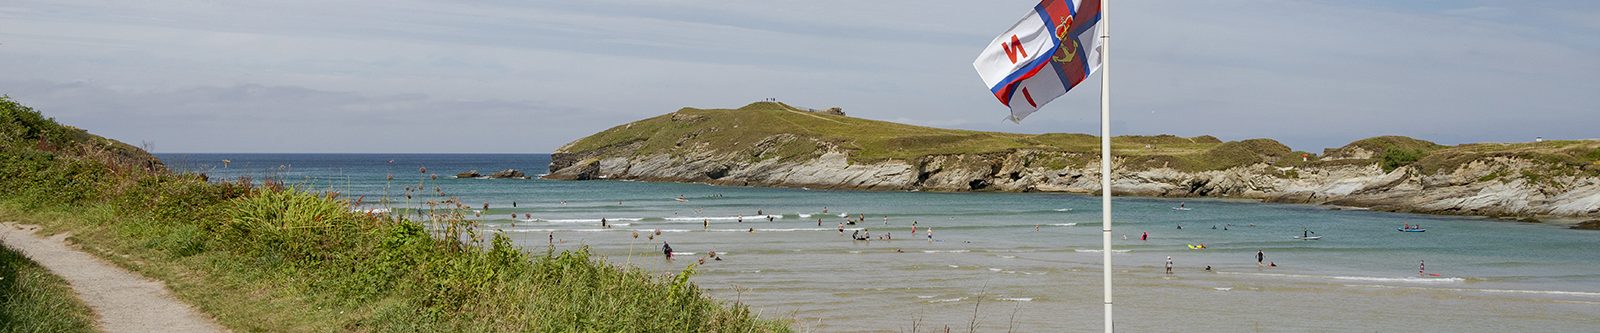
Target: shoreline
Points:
(1558, 220)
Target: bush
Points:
(1396, 158)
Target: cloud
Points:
(370, 75)
(256, 118)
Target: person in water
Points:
(1169, 265)
(1145, 236)
(603, 223)
(667, 250)
(1260, 257)
(930, 234)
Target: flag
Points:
(1043, 56)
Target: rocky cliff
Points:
(772, 144)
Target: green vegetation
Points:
(1396, 158)
(768, 130)
(263, 257)
(746, 129)
(33, 300)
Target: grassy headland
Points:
(755, 130)
(264, 257)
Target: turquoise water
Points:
(1032, 257)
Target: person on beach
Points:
(1169, 265)
(666, 249)
(1261, 257)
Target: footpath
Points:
(122, 301)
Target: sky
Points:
(530, 76)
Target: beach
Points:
(987, 256)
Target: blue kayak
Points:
(1411, 230)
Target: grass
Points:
(744, 130)
(33, 300)
(260, 256)
(771, 130)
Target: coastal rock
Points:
(469, 174)
(1588, 225)
(1382, 173)
(508, 174)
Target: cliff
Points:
(773, 144)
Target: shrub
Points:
(1396, 158)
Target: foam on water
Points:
(1099, 251)
(1358, 278)
(1493, 291)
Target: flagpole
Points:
(1105, 151)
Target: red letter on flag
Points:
(1013, 48)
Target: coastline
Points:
(776, 145)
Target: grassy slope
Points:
(743, 129)
(33, 300)
(262, 258)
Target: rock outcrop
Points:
(1385, 173)
(508, 174)
(469, 174)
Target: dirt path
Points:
(122, 301)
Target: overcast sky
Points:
(529, 76)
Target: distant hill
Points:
(775, 144)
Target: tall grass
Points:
(33, 300)
(264, 257)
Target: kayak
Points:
(1411, 230)
(1307, 238)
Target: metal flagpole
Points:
(1105, 150)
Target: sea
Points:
(1006, 262)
